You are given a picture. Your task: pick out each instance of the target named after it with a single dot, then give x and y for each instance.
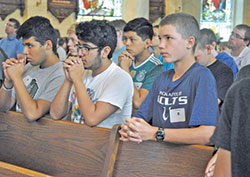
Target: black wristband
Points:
(7, 89)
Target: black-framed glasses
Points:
(236, 35)
(85, 48)
(10, 25)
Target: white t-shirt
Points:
(113, 86)
(244, 58)
(61, 53)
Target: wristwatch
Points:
(160, 135)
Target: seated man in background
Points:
(137, 60)
(12, 46)
(238, 43)
(182, 103)
(102, 92)
(222, 73)
(33, 86)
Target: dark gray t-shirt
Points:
(42, 83)
(223, 76)
(233, 129)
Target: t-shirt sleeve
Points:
(117, 90)
(150, 77)
(52, 87)
(205, 107)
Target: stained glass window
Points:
(217, 15)
(99, 9)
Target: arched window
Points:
(99, 9)
(217, 15)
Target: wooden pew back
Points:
(147, 159)
(55, 148)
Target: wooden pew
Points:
(147, 159)
(60, 148)
(56, 148)
(12, 170)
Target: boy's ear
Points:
(190, 42)
(148, 43)
(246, 42)
(48, 44)
(209, 48)
(105, 52)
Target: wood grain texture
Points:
(111, 155)
(12, 170)
(161, 159)
(56, 148)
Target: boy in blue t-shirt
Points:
(182, 103)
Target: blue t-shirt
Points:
(12, 46)
(115, 56)
(229, 61)
(187, 102)
(167, 66)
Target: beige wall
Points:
(32, 9)
(246, 15)
(188, 6)
(132, 9)
(135, 8)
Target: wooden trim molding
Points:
(8, 7)
(61, 9)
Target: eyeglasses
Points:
(236, 35)
(7, 24)
(84, 48)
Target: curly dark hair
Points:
(40, 28)
(98, 32)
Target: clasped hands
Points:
(137, 130)
(125, 60)
(13, 69)
(73, 68)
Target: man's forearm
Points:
(199, 135)
(60, 105)
(6, 96)
(5, 101)
(28, 106)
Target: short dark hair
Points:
(98, 32)
(118, 24)
(61, 41)
(246, 28)
(16, 22)
(207, 37)
(58, 33)
(141, 26)
(40, 28)
(185, 24)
